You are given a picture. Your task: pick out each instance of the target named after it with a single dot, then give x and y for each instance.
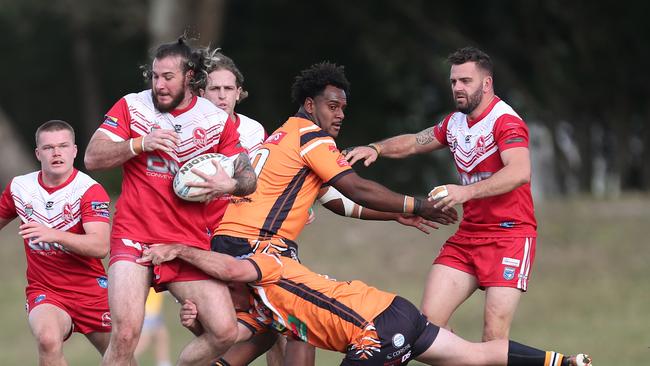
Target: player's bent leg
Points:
(128, 285)
(243, 353)
(500, 306)
(100, 340)
(445, 289)
(275, 355)
(50, 325)
(216, 314)
(299, 353)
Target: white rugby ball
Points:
(202, 163)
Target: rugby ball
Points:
(202, 163)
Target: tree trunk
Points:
(16, 157)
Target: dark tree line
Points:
(576, 69)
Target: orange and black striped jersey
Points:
(291, 166)
(326, 313)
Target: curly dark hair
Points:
(313, 81)
(192, 59)
(472, 54)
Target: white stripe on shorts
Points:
(522, 282)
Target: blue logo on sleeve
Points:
(39, 298)
(102, 282)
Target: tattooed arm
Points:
(396, 147)
(244, 176)
(242, 183)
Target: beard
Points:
(472, 101)
(164, 108)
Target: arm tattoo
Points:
(244, 175)
(424, 137)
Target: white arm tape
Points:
(332, 194)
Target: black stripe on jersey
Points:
(283, 205)
(249, 326)
(312, 135)
(323, 302)
(338, 176)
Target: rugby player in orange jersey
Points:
(293, 165)
(370, 326)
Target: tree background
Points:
(575, 72)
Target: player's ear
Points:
(309, 105)
(487, 83)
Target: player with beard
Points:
(150, 134)
(494, 246)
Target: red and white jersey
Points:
(80, 199)
(148, 210)
(251, 133)
(476, 147)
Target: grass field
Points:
(589, 290)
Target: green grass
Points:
(589, 289)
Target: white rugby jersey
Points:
(251, 133)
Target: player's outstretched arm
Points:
(336, 202)
(94, 243)
(377, 197)
(220, 266)
(395, 147)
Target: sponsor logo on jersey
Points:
(29, 210)
(67, 212)
(106, 319)
(514, 140)
(100, 208)
(110, 121)
(399, 352)
(99, 205)
(480, 145)
(275, 138)
(298, 328)
(513, 262)
(508, 273)
(468, 138)
(200, 137)
(507, 224)
(102, 282)
(341, 161)
(39, 298)
(398, 340)
(466, 179)
(49, 205)
(178, 128)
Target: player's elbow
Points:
(90, 161)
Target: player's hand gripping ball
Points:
(201, 163)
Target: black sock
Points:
(221, 362)
(523, 355)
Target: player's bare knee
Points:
(49, 342)
(125, 335)
(224, 337)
